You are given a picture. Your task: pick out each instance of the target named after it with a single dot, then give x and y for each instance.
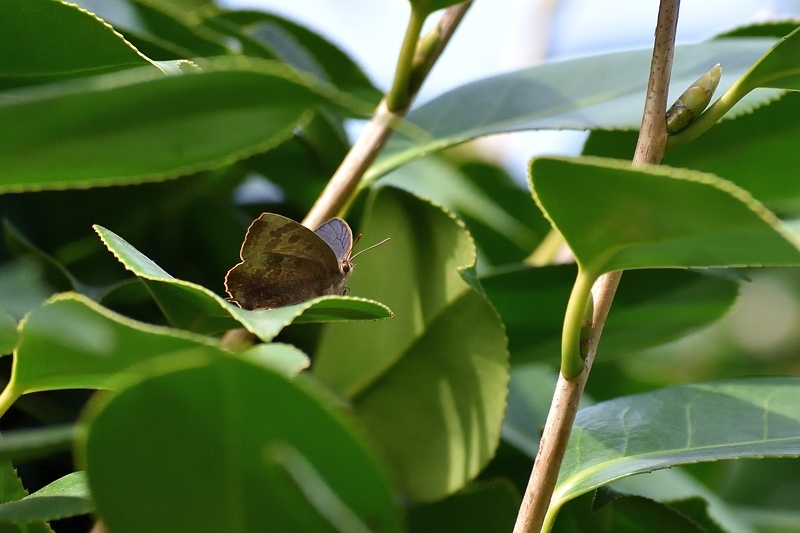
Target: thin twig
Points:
(649, 150)
(344, 182)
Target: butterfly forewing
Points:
(271, 233)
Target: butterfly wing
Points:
(283, 262)
(271, 233)
(337, 233)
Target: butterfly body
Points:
(284, 263)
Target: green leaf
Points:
(735, 419)
(577, 94)
(300, 47)
(35, 50)
(771, 520)
(770, 28)
(676, 484)
(71, 342)
(763, 163)
(239, 421)
(282, 357)
(481, 507)
(8, 332)
(22, 287)
(169, 24)
(499, 214)
(190, 306)
(612, 512)
(25, 444)
(778, 68)
(65, 497)
(139, 126)
(11, 489)
(167, 32)
(696, 509)
(429, 384)
(429, 6)
(650, 308)
(656, 217)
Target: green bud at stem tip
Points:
(693, 100)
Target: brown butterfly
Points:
(284, 263)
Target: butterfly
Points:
(284, 263)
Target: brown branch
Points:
(649, 150)
(344, 182)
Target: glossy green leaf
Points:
(676, 485)
(22, 287)
(656, 217)
(762, 163)
(159, 27)
(651, 307)
(71, 342)
(25, 444)
(8, 332)
(190, 306)
(169, 24)
(11, 489)
(300, 47)
(430, 384)
(429, 6)
(770, 28)
(269, 448)
(735, 419)
(499, 214)
(137, 126)
(483, 506)
(611, 512)
(33, 42)
(778, 68)
(577, 94)
(65, 497)
(282, 357)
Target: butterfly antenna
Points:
(370, 247)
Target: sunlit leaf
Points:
(139, 125)
(238, 421)
(33, 40)
(758, 417)
(762, 163)
(72, 342)
(656, 217)
(429, 384)
(299, 46)
(65, 497)
(577, 94)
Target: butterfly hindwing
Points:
(337, 233)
